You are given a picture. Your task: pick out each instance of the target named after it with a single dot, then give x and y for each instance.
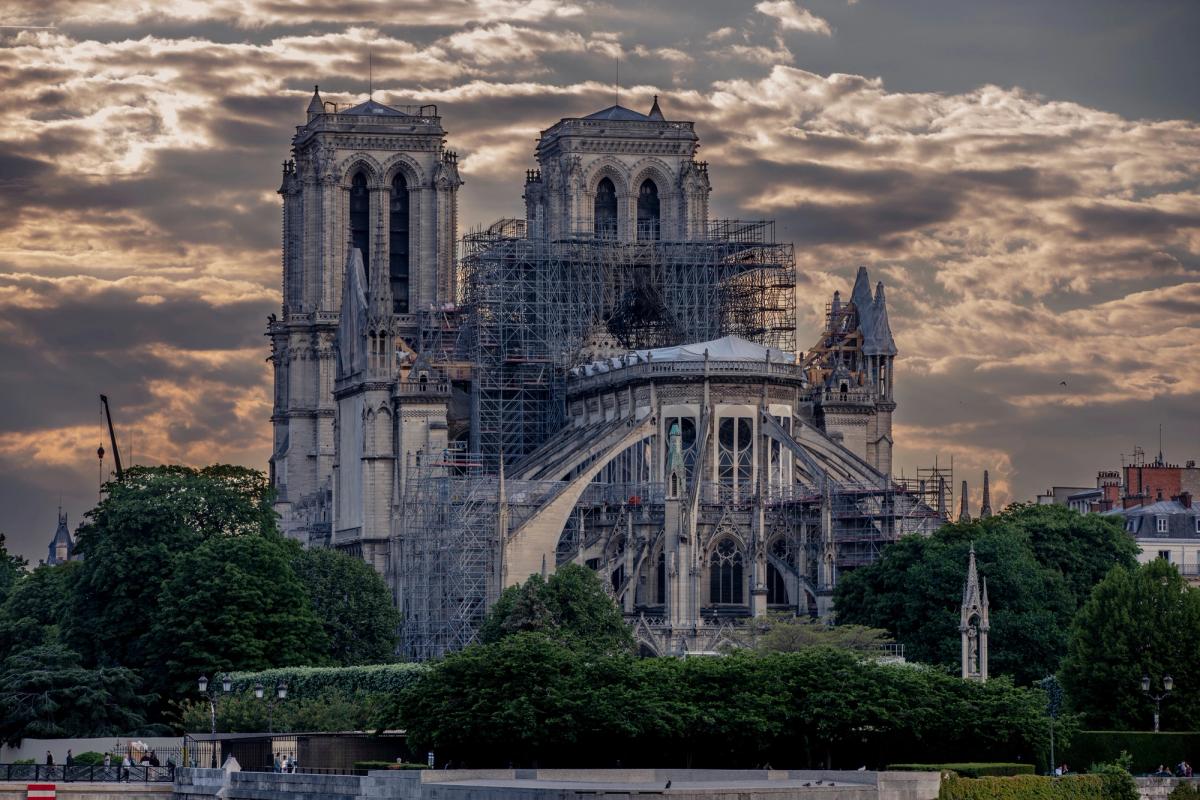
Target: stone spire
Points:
(315, 106)
(860, 295)
(963, 514)
(973, 624)
(655, 111)
(880, 341)
(62, 547)
(985, 510)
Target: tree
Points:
(132, 541)
(36, 608)
(46, 693)
(11, 569)
(233, 603)
(783, 632)
(352, 603)
(1143, 621)
(571, 607)
(1040, 562)
(527, 699)
(915, 591)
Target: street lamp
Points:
(280, 694)
(213, 697)
(1168, 684)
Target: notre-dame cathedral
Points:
(613, 380)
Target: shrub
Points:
(1118, 783)
(24, 762)
(1185, 791)
(305, 682)
(89, 759)
(969, 770)
(1147, 749)
(1023, 787)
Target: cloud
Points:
(792, 17)
(1024, 240)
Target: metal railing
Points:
(81, 773)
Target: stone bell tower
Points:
(379, 178)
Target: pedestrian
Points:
(107, 760)
(49, 759)
(276, 769)
(126, 765)
(1058, 772)
(154, 762)
(70, 758)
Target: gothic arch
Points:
(402, 162)
(607, 167)
(657, 170)
(365, 163)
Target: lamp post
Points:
(280, 694)
(213, 697)
(1168, 684)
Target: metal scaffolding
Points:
(531, 305)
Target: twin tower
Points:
(379, 180)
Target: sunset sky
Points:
(1024, 177)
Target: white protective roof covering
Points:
(727, 348)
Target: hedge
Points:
(369, 765)
(89, 759)
(1148, 749)
(969, 770)
(1023, 787)
(306, 682)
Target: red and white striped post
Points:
(40, 791)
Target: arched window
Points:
(605, 214)
(647, 211)
(360, 218)
(398, 248)
(725, 573)
(660, 582)
(776, 587)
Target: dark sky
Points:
(1022, 175)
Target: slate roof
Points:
(620, 113)
(372, 108)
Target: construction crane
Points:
(112, 437)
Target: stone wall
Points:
(558, 784)
(1157, 788)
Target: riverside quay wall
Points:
(559, 784)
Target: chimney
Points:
(1185, 499)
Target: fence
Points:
(86, 773)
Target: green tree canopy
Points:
(1141, 621)
(1033, 575)
(46, 693)
(352, 603)
(36, 608)
(11, 569)
(527, 698)
(571, 608)
(233, 603)
(132, 541)
(784, 632)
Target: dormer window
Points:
(1160, 524)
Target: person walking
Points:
(49, 759)
(276, 769)
(107, 760)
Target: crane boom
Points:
(112, 437)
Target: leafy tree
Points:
(1143, 621)
(1040, 563)
(571, 607)
(915, 591)
(11, 569)
(36, 608)
(233, 603)
(352, 603)
(330, 710)
(783, 632)
(132, 541)
(46, 693)
(528, 699)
